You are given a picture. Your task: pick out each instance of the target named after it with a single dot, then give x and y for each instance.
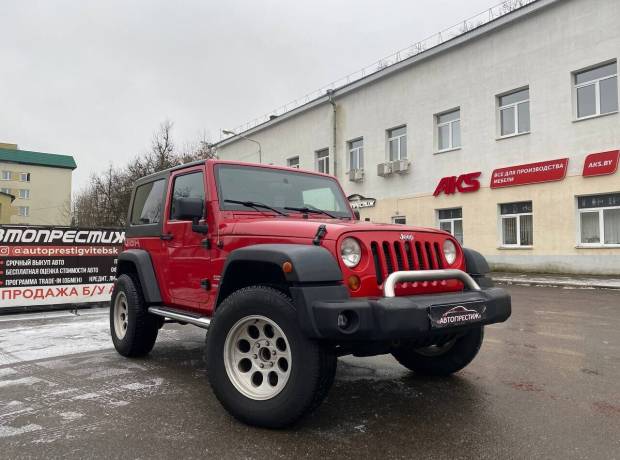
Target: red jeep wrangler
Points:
(277, 266)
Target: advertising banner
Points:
(533, 173)
(57, 265)
(600, 164)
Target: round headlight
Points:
(350, 252)
(449, 251)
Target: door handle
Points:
(166, 236)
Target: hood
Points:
(307, 228)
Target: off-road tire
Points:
(312, 367)
(142, 327)
(460, 354)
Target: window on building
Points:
(596, 90)
(451, 220)
(322, 161)
(599, 219)
(24, 177)
(5, 190)
(448, 130)
(514, 112)
(23, 211)
(24, 194)
(187, 186)
(147, 204)
(6, 175)
(397, 143)
(356, 154)
(517, 224)
(293, 162)
(399, 220)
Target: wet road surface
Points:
(545, 385)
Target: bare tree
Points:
(103, 202)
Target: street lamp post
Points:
(260, 150)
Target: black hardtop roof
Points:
(166, 172)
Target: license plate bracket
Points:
(456, 314)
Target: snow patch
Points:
(7, 371)
(70, 416)
(141, 386)
(8, 431)
(30, 341)
(28, 381)
(86, 396)
(13, 403)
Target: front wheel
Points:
(133, 329)
(261, 367)
(442, 359)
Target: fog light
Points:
(354, 282)
(348, 322)
(343, 321)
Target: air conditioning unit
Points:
(400, 166)
(384, 169)
(356, 175)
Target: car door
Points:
(188, 259)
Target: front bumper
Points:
(388, 318)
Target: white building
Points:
(450, 138)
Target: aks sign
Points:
(464, 183)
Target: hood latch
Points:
(320, 234)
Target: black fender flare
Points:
(141, 260)
(310, 264)
(478, 267)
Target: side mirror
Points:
(357, 214)
(190, 208)
(187, 208)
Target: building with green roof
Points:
(40, 183)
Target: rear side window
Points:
(147, 203)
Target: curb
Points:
(586, 283)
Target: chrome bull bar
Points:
(427, 275)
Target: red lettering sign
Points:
(600, 164)
(464, 183)
(533, 173)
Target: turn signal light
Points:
(354, 282)
(287, 267)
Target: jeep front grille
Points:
(390, 256)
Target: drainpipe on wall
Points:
(330, 94)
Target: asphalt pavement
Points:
(546, 384)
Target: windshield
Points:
(279, 189)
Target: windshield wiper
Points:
(307, 209)
(256, 205)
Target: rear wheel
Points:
(133, 328)
(261, 367)
(443, 359)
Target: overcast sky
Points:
(94, 79)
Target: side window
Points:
(514, 113)
(147, 203)
(448, 130)
(451, 220)
(596, 90)
(397, 143)
(517, 224)
(293, 162)
(322, 161)
(187, 186)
